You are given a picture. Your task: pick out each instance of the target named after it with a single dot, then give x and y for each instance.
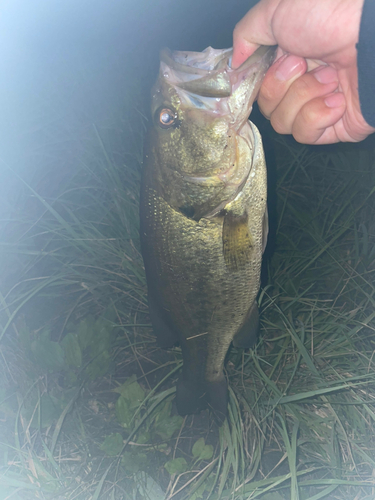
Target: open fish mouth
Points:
(209, 74)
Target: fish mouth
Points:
(208, 74)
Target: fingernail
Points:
(335, 100)
(289, 67)
(325, 74)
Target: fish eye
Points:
(166, 118)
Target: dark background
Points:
(69, 66)
(66, 65)
(47, 47)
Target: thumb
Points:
(253, 30)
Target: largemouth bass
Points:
(203, 215)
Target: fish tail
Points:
(194, 397)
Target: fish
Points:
(203, 215)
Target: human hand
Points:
(311, 91)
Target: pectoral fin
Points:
(247, 335)
(237, 241)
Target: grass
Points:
(86, 397)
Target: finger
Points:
(316, 122)
(331, 117)
(253, 30)
(307, 87)
(242, 50)
(277, 81)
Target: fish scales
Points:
(203, 228)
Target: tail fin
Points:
(192, 398)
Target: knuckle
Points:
(279, 125)
(312, 113)
(263, 109)
(266, 93)
(307, 125)
(237, 30)
(303, 87)
(300, 137)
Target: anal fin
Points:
(247, 334)
(165, 336)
